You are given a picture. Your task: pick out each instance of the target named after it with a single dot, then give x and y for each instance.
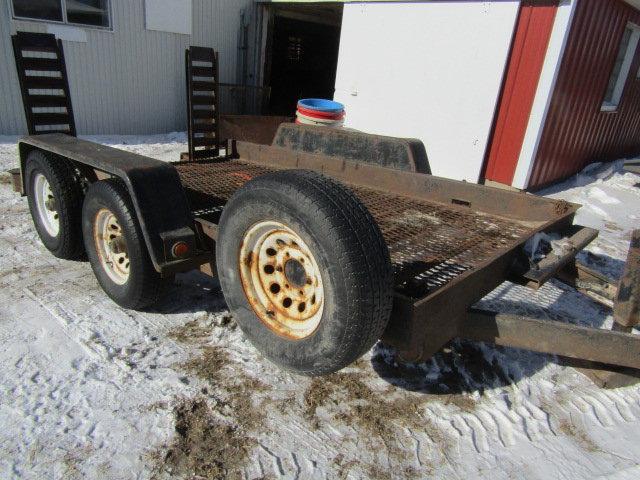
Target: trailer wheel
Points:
(116, 248)
(55, 201)
(305, 270)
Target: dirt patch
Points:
(214, 432)
(215, 367)
(209, 364)
(612, 227)
(205, 445)
(570, 429)
(5, 179)
(191, 332)
(73, 459)
(343, 466)
(561, 422)
(200, 329)
(377, 414)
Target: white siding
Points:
(129, 80)
(432, 71)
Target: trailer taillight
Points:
(180, 249)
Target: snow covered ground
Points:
(89, 390)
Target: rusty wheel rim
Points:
(111, 246)
(281, 279)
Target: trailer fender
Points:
(156, 192)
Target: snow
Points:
(610, 203)
(90, 390)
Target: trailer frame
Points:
(182, 201)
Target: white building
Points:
(516, 92)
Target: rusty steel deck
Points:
(430, 243)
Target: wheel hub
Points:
(117, 245)
(50, 203)
(111, 246)
(281, 279)
(295, 273)
(46, 205)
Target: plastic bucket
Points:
(305, 120)
(321, 112)
(321, 105)
(320, 115)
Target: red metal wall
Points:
(576, 132)
(531, 38)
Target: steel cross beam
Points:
(614, 347)
(559, 338)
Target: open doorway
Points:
(301, 53)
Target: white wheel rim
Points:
(281, 280)
(111, 246)
(46, 205)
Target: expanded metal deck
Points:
(430, 243)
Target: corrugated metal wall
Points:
(576, 132)
(129, 80)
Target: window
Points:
(93, 13)
(621, 68)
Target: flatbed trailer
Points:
(441, 246)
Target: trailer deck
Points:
(430, 243)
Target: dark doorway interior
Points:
(303, 55)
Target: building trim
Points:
(531, 37)
(544, 93)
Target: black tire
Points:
(144, 286)
(66, 189)
(351, 255)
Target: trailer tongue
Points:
(432, 246)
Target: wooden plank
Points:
(578, 238)
(626, 309)
(614, 377)
(558, 338)
(589, 282)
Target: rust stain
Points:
(562, 207)
(242, 175)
